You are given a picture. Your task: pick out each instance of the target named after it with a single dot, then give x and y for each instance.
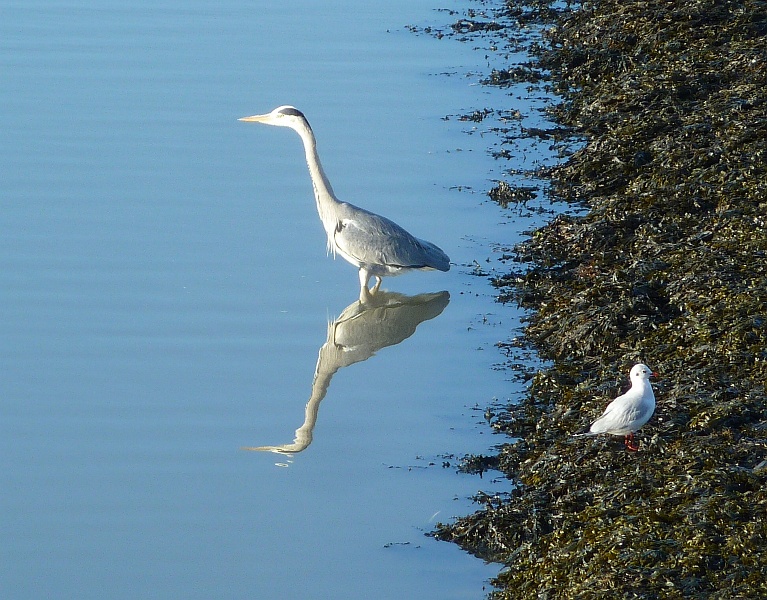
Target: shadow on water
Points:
(384, 319)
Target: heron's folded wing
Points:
(375, 240)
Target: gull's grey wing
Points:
(615, 422)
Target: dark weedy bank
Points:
(669, 267)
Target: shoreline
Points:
(667, 267)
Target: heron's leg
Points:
(377, 285)
(364, 291)
(364, 278)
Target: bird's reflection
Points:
(385, 319)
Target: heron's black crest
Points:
(293, 112)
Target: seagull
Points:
(630, 411)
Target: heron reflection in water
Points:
(386, 319)
(377, 246)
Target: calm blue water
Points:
(165, 293)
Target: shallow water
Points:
(165, 294)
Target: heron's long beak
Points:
(255, 118)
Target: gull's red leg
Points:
(631, 444)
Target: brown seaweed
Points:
(669, 266)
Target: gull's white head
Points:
(282, 116)
(640, 372)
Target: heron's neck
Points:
(323, 191)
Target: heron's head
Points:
(282, 116)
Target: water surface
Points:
(165, 296)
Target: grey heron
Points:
(377, 246)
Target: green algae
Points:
(668, 267)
